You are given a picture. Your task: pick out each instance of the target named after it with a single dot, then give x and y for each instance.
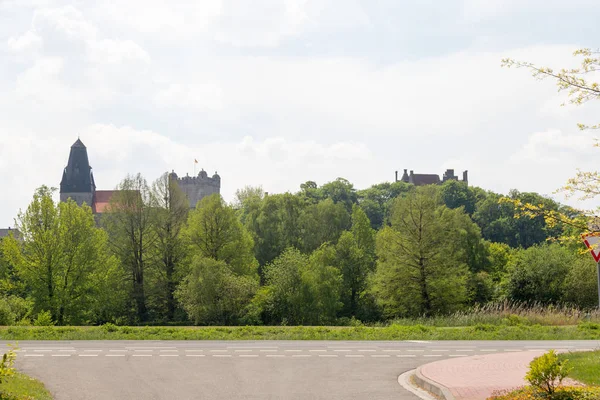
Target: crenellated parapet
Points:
(198, 187)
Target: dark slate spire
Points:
(77, 176)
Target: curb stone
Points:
(432, 386)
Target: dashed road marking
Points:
(193, 351)
(195, 355)
(318, 350)
(218, 351)
(342, 350)
(458, 355)
(275, 355)
(415, 350)
(365, 350)
(243, 351)
(60, 355)
(93, 351)
(300, 355)
(328, 355)
(380, 355)
(488, 350)
(406, 355)
(34, 355)
(248, 355)
(70, 350)
(293, 350)
(168, 351)
(268, 351)
(115, 350)
(115, 355)
(432, 355)
(42, 351)
(88, 355)
(355, 355)
(142, 355)
(168, 355)
(221, 355)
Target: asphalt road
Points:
(168, 370)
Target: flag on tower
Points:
(195, 161)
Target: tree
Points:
(458, 194)
(537, 274)
(321, 223)
(214, 231)
(132, 237)
(422, 265)
(301, 289)
(377, 200)
(212, 294)
(340, 191)
(60, 258)
(170, 209)
(580, 90)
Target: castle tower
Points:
(78, 181)
(198, 187)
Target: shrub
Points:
(108, 327)
(547, 372)
(7, 364)
(44, 318)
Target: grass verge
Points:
(586, 366)
(23, 387)
(392, 332)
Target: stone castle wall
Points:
(198, 187)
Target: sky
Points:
(274, 93)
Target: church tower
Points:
(78, 181)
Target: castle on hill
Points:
(430, 179)
(78, 183)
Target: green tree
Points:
(581, 283)
(321, 223)
(340, 191)
(214, 231)
(422, 263)
(60, 257)
(537, 274)
(301, 289)
(377, 200)
(170, 209)
(132, 237)
(213, 294)
(456, 194)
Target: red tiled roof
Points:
(101, 200)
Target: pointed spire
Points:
(77, 176)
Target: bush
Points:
(7, 365)
(108, 327)
(562, 393)
(547, 372)
(44, 318)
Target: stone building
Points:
(78, 183)
(430, 179)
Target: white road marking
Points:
(60, 355)
(190, 351)
(432, 355)
(328, 355)
(392, 350)
(218, 351)
(243, 351)
(221, 355)
(380, 355)
(88, 355)
(417, 341)
(142, 355)
(144, 351)
(71, 350)
(168, 355)
(115, 355)
(342, 350)
(42, 351)
(406, 355)
(458, 355)
(488, 350)
(168, 351)
(367, 350)
(318, 350)
(118, 350)
(248, 355)
(301, 355)
(514, 350)
(93, 351)
(464, 350)
(195, 355)
(439, 350)
(34, 355)
(294, 350)
(267, 351)
(354, 355)
(415, 350)
(275, 355)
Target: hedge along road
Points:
(245, 369)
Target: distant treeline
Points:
(325, 255)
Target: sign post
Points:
(592, 241)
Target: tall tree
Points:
(132, 238)
(214, 231)
(422, 268)
(322, 223)
(170, 210)
(60, 256)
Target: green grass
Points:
(391, 332)
(22, 387)
(586, 366)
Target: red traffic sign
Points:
(592, 241)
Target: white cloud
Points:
(29, 41)
(197, 96)
(67, 20)
(554, 147)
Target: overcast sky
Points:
(278, 92)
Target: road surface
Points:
(167, 370)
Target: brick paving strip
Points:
(477, 377)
